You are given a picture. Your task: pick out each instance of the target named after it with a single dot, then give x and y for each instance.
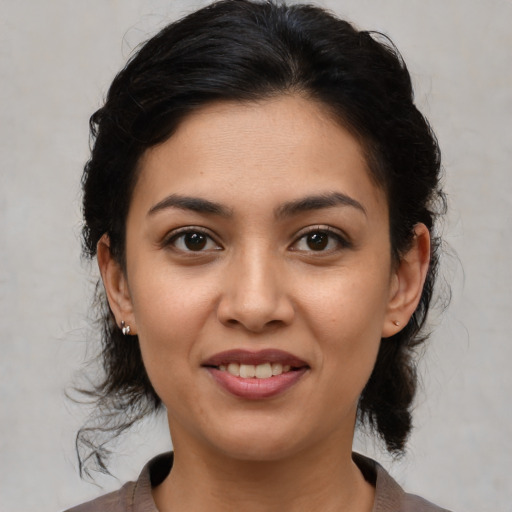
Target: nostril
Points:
(256, 310)
(255, 326)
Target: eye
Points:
(320, 240)
(192, 240)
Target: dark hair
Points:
(244, 50)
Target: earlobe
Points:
(407, 282)
(116, 285)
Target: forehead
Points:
(257, 151)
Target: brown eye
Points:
(317, 241)
(320, 240)
(195, 241)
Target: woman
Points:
(261, 200)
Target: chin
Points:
(263, 444)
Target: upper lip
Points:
(255, 357)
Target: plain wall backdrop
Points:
(57, 59)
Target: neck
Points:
(319, 479)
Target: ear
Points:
(407, 282)
(116, 285)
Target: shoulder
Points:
(133, 496)
(389, 496)
(412, 503)
(117, 501)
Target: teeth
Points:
(234, 369)
(247, 371)
(263, 371)
(277, 368)
(260, 371)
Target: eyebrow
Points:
(318, 202)
(304, 204)
(194, 204)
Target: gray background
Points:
(57, 59)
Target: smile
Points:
(256, 375)
(260, 371)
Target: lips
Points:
(256, 375)
(255, 358)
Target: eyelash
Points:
(170, 241)
(340, 240)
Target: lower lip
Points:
(256, 389)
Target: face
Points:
(258, 278)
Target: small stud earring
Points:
(125, 329)
(396, 322)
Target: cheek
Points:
(348, 305)
(345, 317)
(169, 315)
(169, 302)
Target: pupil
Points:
(195, 241)
(317, 241)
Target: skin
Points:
(257, 283)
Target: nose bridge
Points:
(255, 293)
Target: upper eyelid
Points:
(175, 233)
(336, 232)
(339, 234)
(190, 229)
(325, 228)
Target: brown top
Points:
(137, 497)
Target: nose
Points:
(254, 295)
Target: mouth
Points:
(256, 375)
(262, 364)
(260, 371)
